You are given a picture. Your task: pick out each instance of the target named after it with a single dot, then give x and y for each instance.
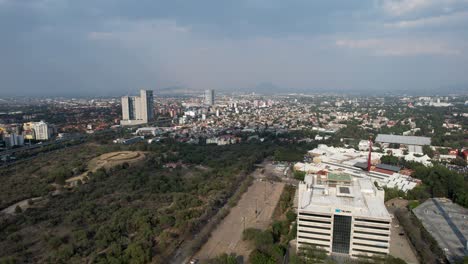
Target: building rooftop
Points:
(388, 167)
(446, 222)
(406, 140)
(361, 198)
(339, 177)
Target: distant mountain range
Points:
(268, 88)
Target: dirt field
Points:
(109, 160)
(400, 246)
(227, 237)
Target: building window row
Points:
(372, 227)
(370, 239)
(315, 233)
(366, 245)
(314, 221)
(315, 215)
(317, 227)
(314, 238)
(371, 233)
(371, 221)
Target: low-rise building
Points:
(129, 141)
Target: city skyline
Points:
(321, 170)
(108, 48)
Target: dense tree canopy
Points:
(130, 213)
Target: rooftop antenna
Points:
(370, 152)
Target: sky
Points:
(115, 47)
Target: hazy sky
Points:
(108, 47)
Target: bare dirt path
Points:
(400, 246)
(22, 204)
(227, 237)
(108, 160)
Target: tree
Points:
(427, 150)
(458, 161)
(258, 257)
(136, 254)
(299, 175)
(311, 254)
(18, 209)
(224, 259)
(60, 179)
(391, 193)
(388, 159)
(290, 216)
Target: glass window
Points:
(341, 234)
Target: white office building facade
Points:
(350, 220)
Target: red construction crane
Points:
(370, 154)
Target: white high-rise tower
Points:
(209, 97)
(137, 109)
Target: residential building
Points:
(347, 217)
(14, 139)
(137, 109)
(209, 97)
(37, 130)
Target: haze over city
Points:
(102, 48)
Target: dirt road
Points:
(227, 237)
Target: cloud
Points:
(100, 35)
(400, 47)
(223, 44)
(405, 7)
(401, 7)
(457, 18)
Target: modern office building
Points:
(137, 110)
(343, 215)
(209, 97)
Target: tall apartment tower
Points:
(41, 129)
(344, 215)
(209, 97)
(137, 110)
(146, 100)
